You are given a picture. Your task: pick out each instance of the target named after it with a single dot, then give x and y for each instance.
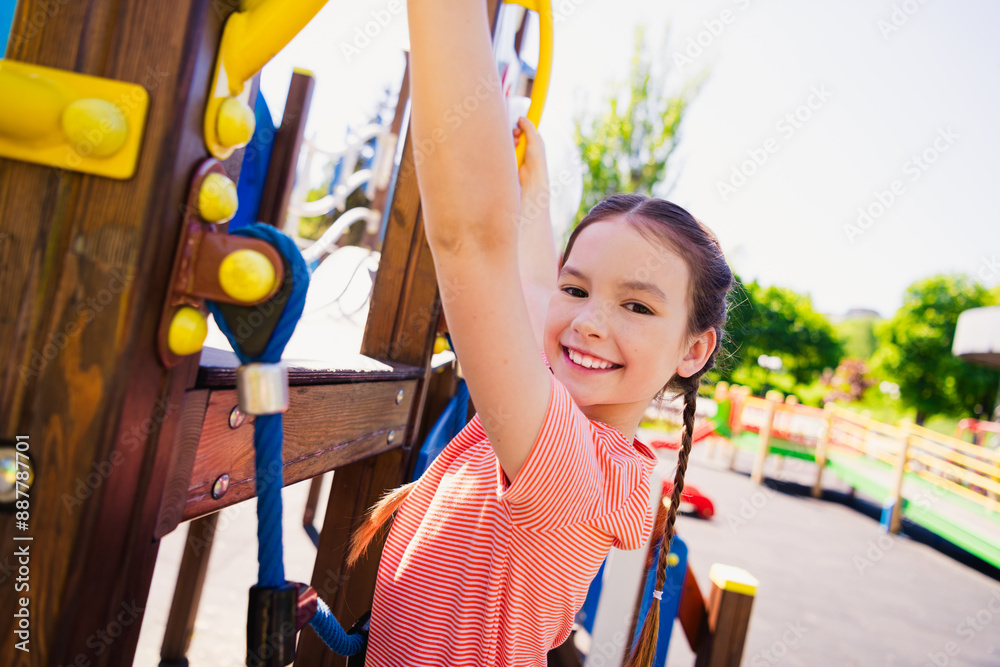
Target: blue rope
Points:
(329, 630)
(269, 434)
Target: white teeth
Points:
(587, 361)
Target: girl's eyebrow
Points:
(635, 285)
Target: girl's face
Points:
(616, 328)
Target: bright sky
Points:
(904, 112)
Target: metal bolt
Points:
(236, 418)
(389, 438)
(220, 487)
(399, 397)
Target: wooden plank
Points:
(326, 426)
(184, 450)
(78, 317)
(395, 130)
(280, 179)
(187, 593)
(691, 611)
(955, 444)
(218, 369)
(728, 620)
(355, 488)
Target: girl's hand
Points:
(533, 174)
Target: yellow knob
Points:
(95, 128)
(246, 275)
(235, 123)
(673, 559)
(440, 344)
(217, 199)
(187, 331)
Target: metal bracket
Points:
(201, 249)
(71, 121)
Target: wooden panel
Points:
(87, 262)
(326, 426)
(187, 593)
(182, 457)
(285, 153)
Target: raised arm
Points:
(536, 252)
(468, 182)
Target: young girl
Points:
(493, 548)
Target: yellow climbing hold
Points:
(441, 344)
(235, 123)
(217, 199)
(187, 331)
(246, 275)
(94, 128)
(673, 559)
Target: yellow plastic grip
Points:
(250, 39)
(70, 120)
(540, 89)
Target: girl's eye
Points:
(639, 308)
(574, 291)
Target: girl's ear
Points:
(698, 353)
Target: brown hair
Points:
(710, 282)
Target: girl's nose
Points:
(591, 321)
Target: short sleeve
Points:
(561, 482)
(630, 519)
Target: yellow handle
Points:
(250, 39)
(541, 86)
(254, 36)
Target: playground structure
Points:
(947, 485)
(125, 425)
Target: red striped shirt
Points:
(479, 572)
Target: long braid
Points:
(644, 651)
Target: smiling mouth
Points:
(587, 362)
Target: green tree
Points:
(627, 148)
(858, 336)
(915, 350)
(777, 322)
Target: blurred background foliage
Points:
(901, 367)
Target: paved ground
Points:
(834, 590)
